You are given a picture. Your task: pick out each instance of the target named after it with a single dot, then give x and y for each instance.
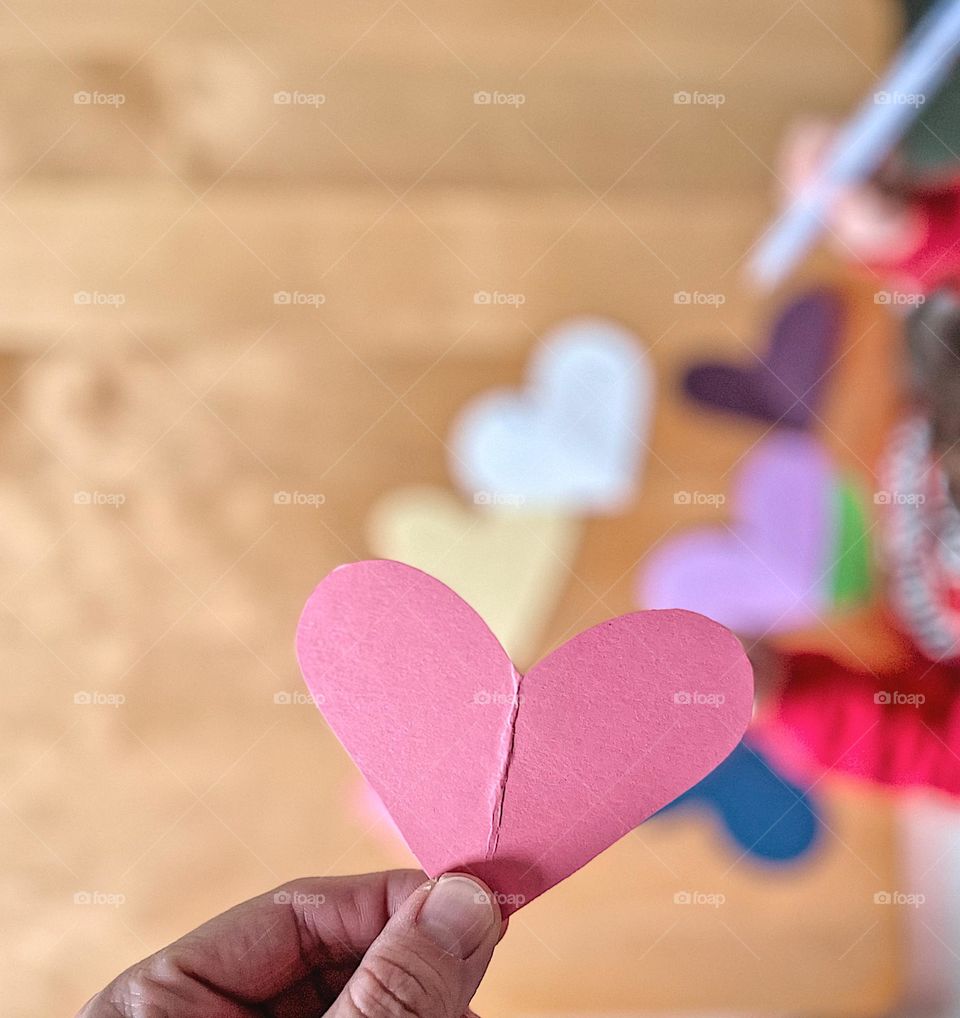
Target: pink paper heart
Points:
(519, 780)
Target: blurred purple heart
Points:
(768, 571)
(786, 383)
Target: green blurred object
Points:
(931, 148)
(851, 577)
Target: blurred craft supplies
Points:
(510, 564)
(767, 816)
(574, 438)
(747, 575)
(883, 117)
(785, 383)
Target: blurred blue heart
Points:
(769, 817)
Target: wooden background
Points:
(179, 384)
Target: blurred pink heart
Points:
(519, 780)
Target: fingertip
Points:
(493, 898)
(460, 914)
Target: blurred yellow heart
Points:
(510, 564)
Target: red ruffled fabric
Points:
(874, 726)
(937, 258)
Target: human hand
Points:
(382, 945)
(869, 221)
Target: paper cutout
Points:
(770, 571)
(851, 577)
(520, 780)
(768, 816)
(785, 385)
(371, 811)
(510, 565)
(573, 439)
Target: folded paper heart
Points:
(517, 779)
(784, 385)
(573, 440)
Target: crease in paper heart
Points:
(574, 438)
(517, 779)
(509, 564)
(769, 570)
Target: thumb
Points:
(430, 957)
